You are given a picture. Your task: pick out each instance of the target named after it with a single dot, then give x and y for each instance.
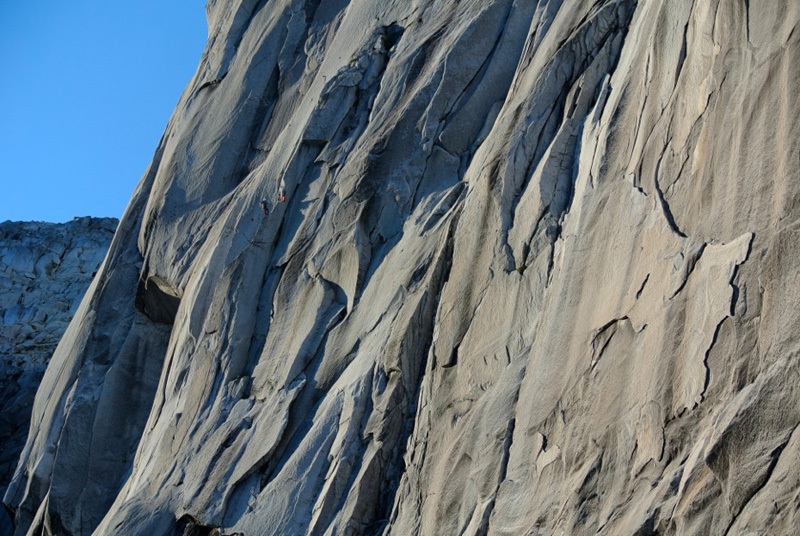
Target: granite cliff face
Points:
(535, 273)
(45, 269)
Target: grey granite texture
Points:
(536, 272)
(45, 269)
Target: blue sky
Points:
(87, 89)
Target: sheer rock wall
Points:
(536, 272)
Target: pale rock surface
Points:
(45, 269)
(536, 273)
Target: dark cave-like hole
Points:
(157, 299)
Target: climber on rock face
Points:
(265, 206)
(281, 196)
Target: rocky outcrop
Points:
(535, 273)
(45, 269)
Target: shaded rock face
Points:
(45, 269)
(535, 273)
